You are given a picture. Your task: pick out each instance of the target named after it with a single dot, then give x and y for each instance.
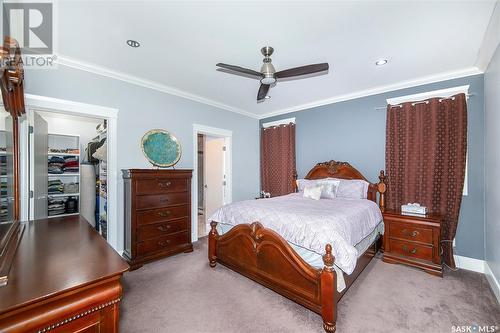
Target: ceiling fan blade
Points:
(303, 70)
(240, 69)
(264, 88)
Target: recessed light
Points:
(267, 97)
(133, 43)
(381, 62)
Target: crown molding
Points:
(468, 71)
(444, 93)
(106, 72)
(491, 39)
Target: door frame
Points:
(228, 167)
(49, 104)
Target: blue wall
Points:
(492, 110)
(354, 131)
(142, 109)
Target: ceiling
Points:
(182, 41)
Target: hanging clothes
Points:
(87, 192)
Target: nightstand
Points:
(413, 240)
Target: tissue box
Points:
(414, 208)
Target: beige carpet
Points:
(182, 294)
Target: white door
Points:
(38, 158)
(214, 174)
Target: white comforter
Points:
(310, 223)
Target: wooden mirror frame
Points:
(12, 87)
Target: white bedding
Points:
(310, 224)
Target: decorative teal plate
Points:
(161, 148)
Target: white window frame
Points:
(279, 122)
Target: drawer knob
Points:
(164, 184)
(414, 233)
(412, 251)
(163, 200)
(164, 243)
(164, 227)
(163, 214)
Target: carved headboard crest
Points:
(334, 169)
(333, 166)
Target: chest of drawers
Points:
(157, 214)
(413, 240)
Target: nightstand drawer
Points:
(409, 249)
(410, 232)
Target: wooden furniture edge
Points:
(45, 315)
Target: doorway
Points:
(69, 109)
(212, 175)
(67, 165)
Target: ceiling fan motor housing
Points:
(268, 71)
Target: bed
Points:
(280, 263)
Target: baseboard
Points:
(480, 266)
(495, 286)
(470, 264)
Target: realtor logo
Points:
(31, 24)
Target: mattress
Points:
(310, 224)
(316, 260)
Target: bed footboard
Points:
(265, 257)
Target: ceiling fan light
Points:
(268, 80)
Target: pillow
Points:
(352, 188)
(313, 192)
(329, 186)
(302, 183)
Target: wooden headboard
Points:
(344, 170)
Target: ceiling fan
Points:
(268, 74)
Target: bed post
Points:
(328, 294)
(294, 181)
(381, 187)
(212, 244)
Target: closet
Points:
(63, 170)
(67, 167)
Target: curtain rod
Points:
(420, 102)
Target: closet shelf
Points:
(64, 174)
(62, 215)
(63, 195)
(62, 154)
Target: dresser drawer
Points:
(410, 232)
(162, 214)
(409, 249)
(160, 229)
(161, 185)
(162, 200)
(162, 243)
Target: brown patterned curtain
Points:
(426, 147)
(277, 159)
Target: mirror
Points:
(11, 108)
